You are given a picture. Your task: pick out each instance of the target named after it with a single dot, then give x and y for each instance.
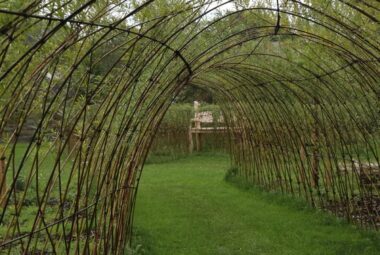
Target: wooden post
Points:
(197, 124)
(190, 137)
(196, 107)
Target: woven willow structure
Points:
(298, 83)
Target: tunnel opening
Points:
(91, 83)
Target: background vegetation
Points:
(297, 82)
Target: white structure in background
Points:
(204, 117)
(196, 128)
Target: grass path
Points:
(186, 207)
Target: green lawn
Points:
(186, 207)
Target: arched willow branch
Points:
(298, 83)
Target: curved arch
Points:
(298, 84)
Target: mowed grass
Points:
(186, 207)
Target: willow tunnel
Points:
(297, 81)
